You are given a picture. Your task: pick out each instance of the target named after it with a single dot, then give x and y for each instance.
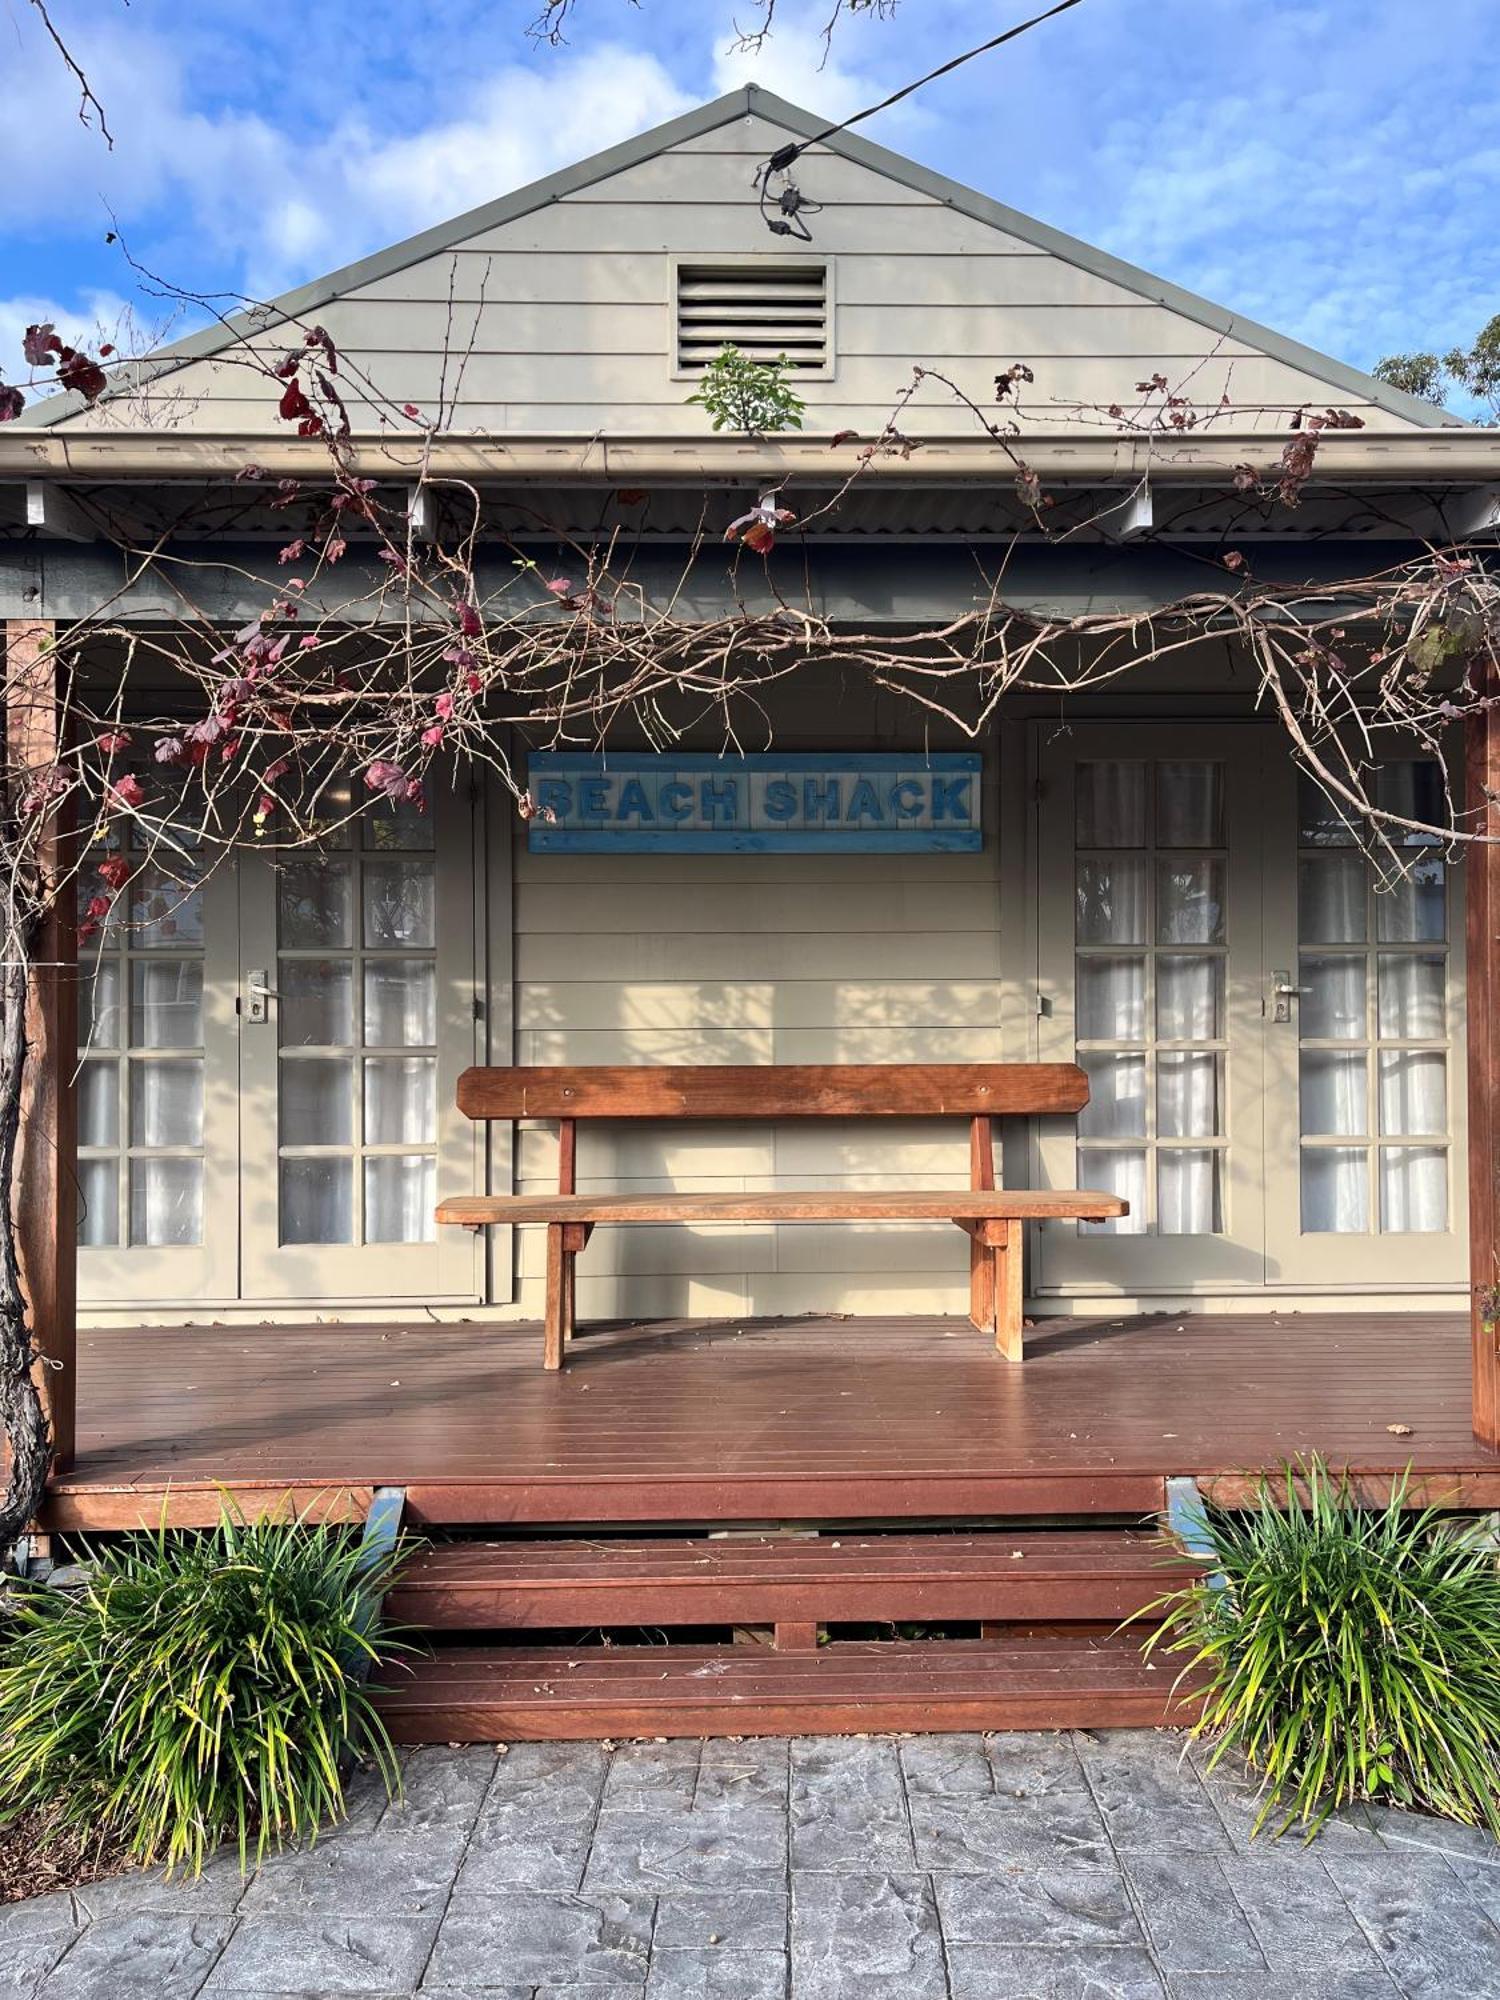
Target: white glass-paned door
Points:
(1148, 899)
(156, 1069)
(1364, 1048)
(364, 952)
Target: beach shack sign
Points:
(791, 804)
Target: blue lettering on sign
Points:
(804, 802)
(863, 804)
(633, 801)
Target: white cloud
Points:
(286, 205)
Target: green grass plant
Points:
(198, 1688)
(1348, 1653)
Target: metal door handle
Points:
(257, 993)
(1291, 989)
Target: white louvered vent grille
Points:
(763, 309)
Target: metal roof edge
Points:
(1467, 456)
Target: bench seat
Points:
(992, 1217)
(819, 1205)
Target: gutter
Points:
(1465, 456)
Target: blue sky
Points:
(1333, 170)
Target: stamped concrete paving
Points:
(1077, 1867)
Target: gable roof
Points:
(751, 99)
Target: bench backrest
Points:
(981, 1092)
(770, 1091)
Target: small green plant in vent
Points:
(1348, 1653)
(198, 1688)
(743, 394)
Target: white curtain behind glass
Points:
(1114, 908)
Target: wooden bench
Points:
(993, 1218)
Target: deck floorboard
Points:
(819, 1418)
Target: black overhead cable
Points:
(790, 204)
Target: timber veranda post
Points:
(1482, 799)
(46, 1202)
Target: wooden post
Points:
(46, 1208)
(567, 1183)
(556, 1309)
(1482, 787)
(981, 1256)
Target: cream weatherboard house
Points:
(1132, 879)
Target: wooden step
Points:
(492, 1694)
(1098, 1575)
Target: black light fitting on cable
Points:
(782, 213)
(782, 208)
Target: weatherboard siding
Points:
(562, 318)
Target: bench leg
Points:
(981, 1281)
(575, 1237)
(1010, 1338)
(555, 1323)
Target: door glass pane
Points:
(388, 825)
(400, 1197)
(1411, 996)
(166, 1109)
(317, 1002)
(400, 1100)
(398, 900)
(317, 1102)
(1413, 789)
(1413, 1093)
(166, 1201)
(1189, 901)
(400, 1003)
(1413, 1189)
(315, 903)
(1331, 899)
(1189, 997)
(98, 1203)
(1187, 1192)
(1189, 1089)
(1117, 1097)
(164, 911)
(166, 1003)
(1415, 908)
(1189, 804)
(1322, 820)
(317, 1200)
(99, 1005)
(1110, 804)
(1333, 998)
(1112, 900)
(1335, 1094)
(1109, 1170)
(1111, 999)
(99, 1104)
(1335, 1190)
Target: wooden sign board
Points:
(803, 803)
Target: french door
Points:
(267, 1078)
(1268, 1022)
(357, 1012)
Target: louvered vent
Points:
(762, 309)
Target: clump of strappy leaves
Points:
(197, 1688)
(743, 394)
(1347, 1653)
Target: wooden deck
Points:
(786, 1420)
